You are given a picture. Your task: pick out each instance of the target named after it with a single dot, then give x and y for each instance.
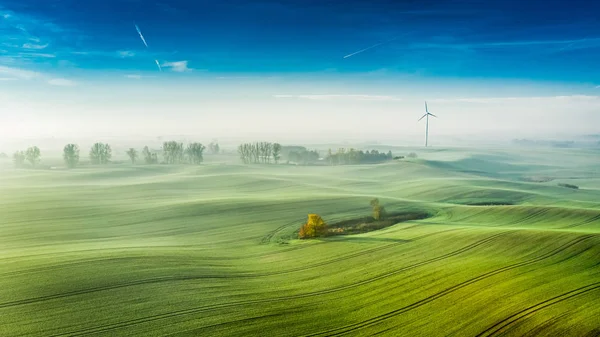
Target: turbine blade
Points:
(426, 107)
(433, 115)
(422, 117)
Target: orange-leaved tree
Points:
(315, 227)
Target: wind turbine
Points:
(426, 115)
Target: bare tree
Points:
(243, 151)
(33, 155)
(133, 155)
(173, 152)
(71, 155)
(259, 152)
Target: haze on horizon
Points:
(278, 70)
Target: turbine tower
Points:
(426, 115)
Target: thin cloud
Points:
(63, 82)
(137, 77)
(232, 77)
(28, 75)
(20, 27)
(125, 53)
(179, 66)
(495, 100)
(341, 97)
(566, 44)
(19, 73)
(37, 55)
(35, 46)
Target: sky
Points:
(298, 68)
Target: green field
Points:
(209, 250)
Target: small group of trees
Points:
(100, 153)
(352, 156)
(31, 155)
(259, 152)
(195, 153)
(173, 153)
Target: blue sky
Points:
(294, 50)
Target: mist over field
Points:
(299, 168)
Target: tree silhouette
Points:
(214, 147)
(276, 152)
(71, 155)
(19, 159)
(149, 156)
(195, 152)
(100, 153)
(33, 155)
(133, 155)
(173, 152)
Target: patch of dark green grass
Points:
(368, 223)
(571, 186)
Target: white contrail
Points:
(141, 36)
(144, 40)
(371, 47)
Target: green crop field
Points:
(210, 250)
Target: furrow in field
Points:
(109, 327)
(503, 324)
(199, 277)
(377, 319)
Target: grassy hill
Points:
(210, 250)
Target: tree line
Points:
(352, 156)
(100, 153)
(174, 152)
(259, 152)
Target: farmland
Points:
(211, 250)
